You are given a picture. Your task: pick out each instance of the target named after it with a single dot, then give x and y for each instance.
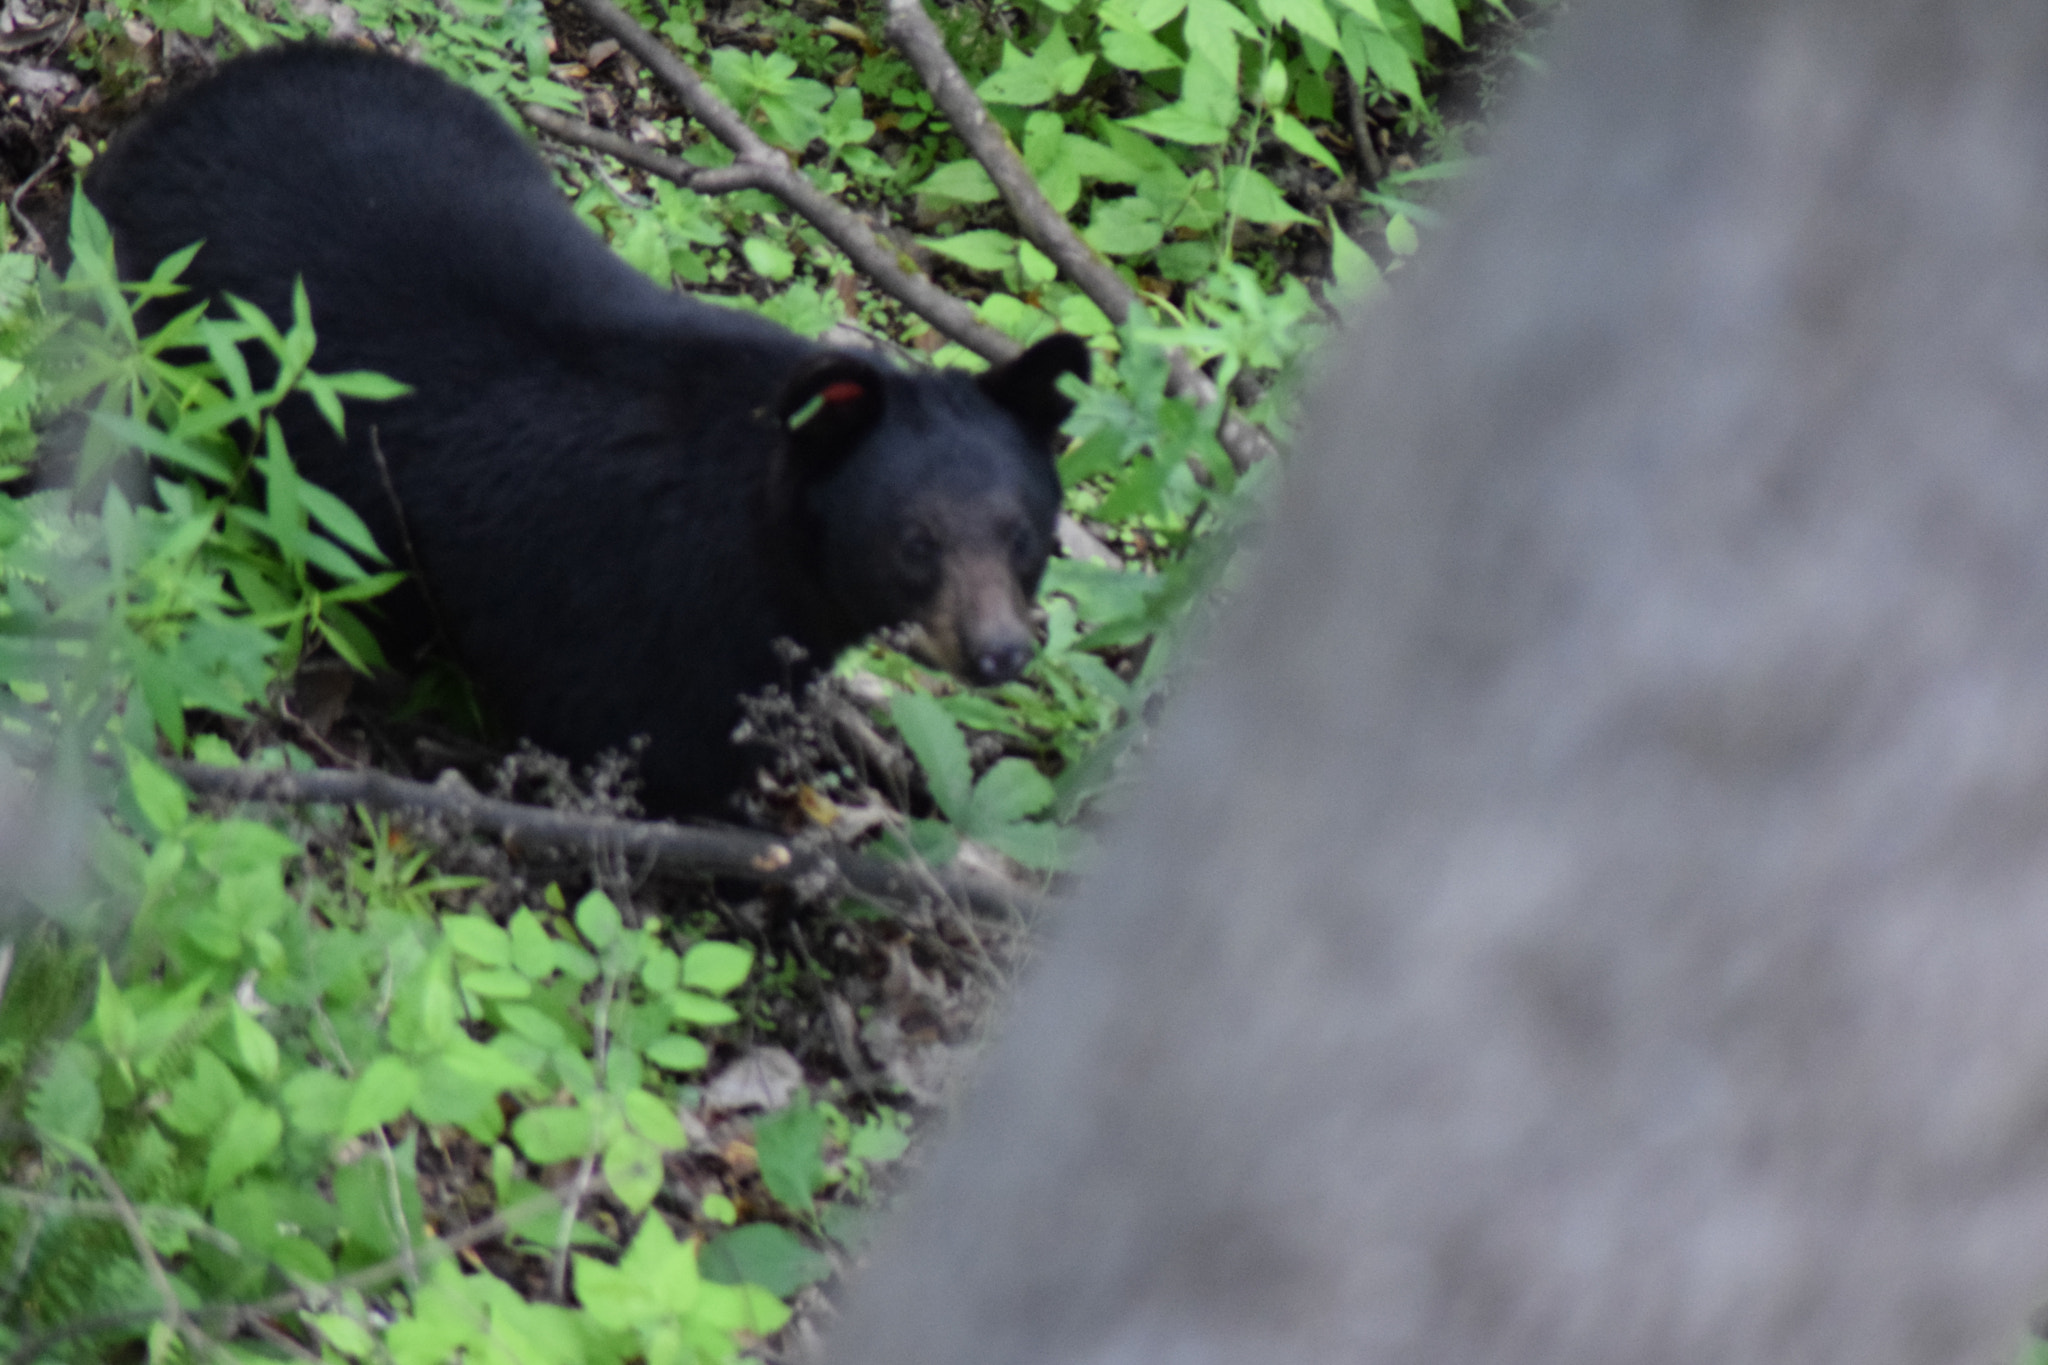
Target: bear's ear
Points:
(826, 407)
(1028, 387)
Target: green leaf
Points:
(1384, 56)
(1441, 15)
(64, 1107)
(250, 1135)
(557, 1133)
(344, 1334)
(1043, 847)
(941, 751)
(961, 182)
(254, 1046)
(981, 249)
(113, 1017)
(632, 1167)
(1008, 792)
(1213, 28)
(476, 936)
(533, 952)
(597, 919)
(316, 1101)
(1124, 227)
(383, 1092)
(1253, 197)
(692, 1008)
(1310, 17)
(790, 1147)
(1020, 81)
(202, 1101)
(769, 259)
(1135, 51)
(158, 794)
(1182, 122)
(1401, 239)
(766, 1254)
(340, 521)
(654, 1119)
(1295, 134)
(717, 968)
(1352, 267)
(678, 1052)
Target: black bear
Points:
(1597, 912)
(617, 498)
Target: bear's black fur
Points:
(617, 497)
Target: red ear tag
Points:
(845, 391)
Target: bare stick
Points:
(918, 38)
(877, 259)
(705, 850)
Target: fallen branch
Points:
(768, 168)
(703, 850)
(919, 40)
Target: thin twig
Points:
(28, 229)
(1369, 168)
(704, 850)
(877, 259)
(171, 1311)
(918, 39)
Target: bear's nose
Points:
(1001, 662)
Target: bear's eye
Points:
(919, 549)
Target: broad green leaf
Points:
(1123, 227)
(678, 1052)
(557, 1133)
(1213, 28)
(1137, 51)
(1008, 792)
(717, 968)
(1295, 134)
(64, 1106)
(1310, 17)
(1250, 195)
(962, 182)
(632, 1167)
(655, 1120)
(384, 1091)
(1020, 80)
(981, 249)
(766, 1254)
(939, 748)
(316, 1101)
(477, 937)
(250, 1135)
(202, 1101)
(770, 260)
(1401, 239)
(1441, 15)
(533, 952)
(790, 1146)
(158, 794)
(597, 919)
(254, 1046)
(692, 1008)
(113, 1017)
(1353, 268)
(1043, 847)
(1384, 56)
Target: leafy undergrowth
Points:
(311, 1082)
